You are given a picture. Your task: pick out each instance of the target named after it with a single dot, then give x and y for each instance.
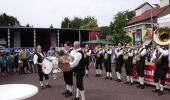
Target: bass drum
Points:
(50, 64)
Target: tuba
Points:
(161, 37)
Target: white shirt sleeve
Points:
(109, 52)
(35, 59)
(164, 52)
(89, 53)
(77, 58)
(119, 53)
(131, 53)
(143, 52)
(153, 56)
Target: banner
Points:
(149, 75)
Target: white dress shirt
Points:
(119, 53)
(77, 57)
(35, 59)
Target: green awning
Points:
(148, 42)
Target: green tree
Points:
(76, 22)
(105, 30)
(120, 21)
(65, 23)
(6, 20)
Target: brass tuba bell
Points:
(162, 36)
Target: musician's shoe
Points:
(111, 78)
(116, 79)
(96, 75)
(106, 78)
(156, 90)
(42, 87)
(131, 84)
(75, 98)
(160, 93)
(142, 87)
(100, 75)
(68, 94)
(87, 75)
(48, 86)
(119, 80)
(127, 82)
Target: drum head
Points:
(47, 66)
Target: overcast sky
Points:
(43, 13)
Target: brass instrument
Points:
(158, 58)
(161, 37)
(125, 54)
(138, 55)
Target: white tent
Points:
(164, 21)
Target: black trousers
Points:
(2, 68)
(86, 60)
(160, 74)
(68, 77)
(140, 67)
(99, 62)
(79, 81)
(107, 64)
(41, 74)
(118, 67)
(129, 67)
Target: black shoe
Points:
(111, 78)
(142, 87)
(131, 83)
(96, 75)
(48, 86)
(87, 75)
(106, 78)
(127, 82)
(156, 90)
(75, 98)
(119, 80)
(100, 75)
(116, 79)
(68, 94)
(160, 93)
(42, 87)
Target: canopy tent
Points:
(164, 21)
(97, 42)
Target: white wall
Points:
(164, 3)
(143, 9)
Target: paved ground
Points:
(96, 88)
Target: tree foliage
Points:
(77, 22)
(120, 21)
(6, 20)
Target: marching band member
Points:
(119, 61)
(128, 60)
(38, 58)
(99, 51)
(140, 63)
(107, 62)
(87, 53)
(68, 76)
(160, 55)
(79, 70)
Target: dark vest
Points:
(69, 51)
(142, 58)
(80, 68)
(40, 58)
